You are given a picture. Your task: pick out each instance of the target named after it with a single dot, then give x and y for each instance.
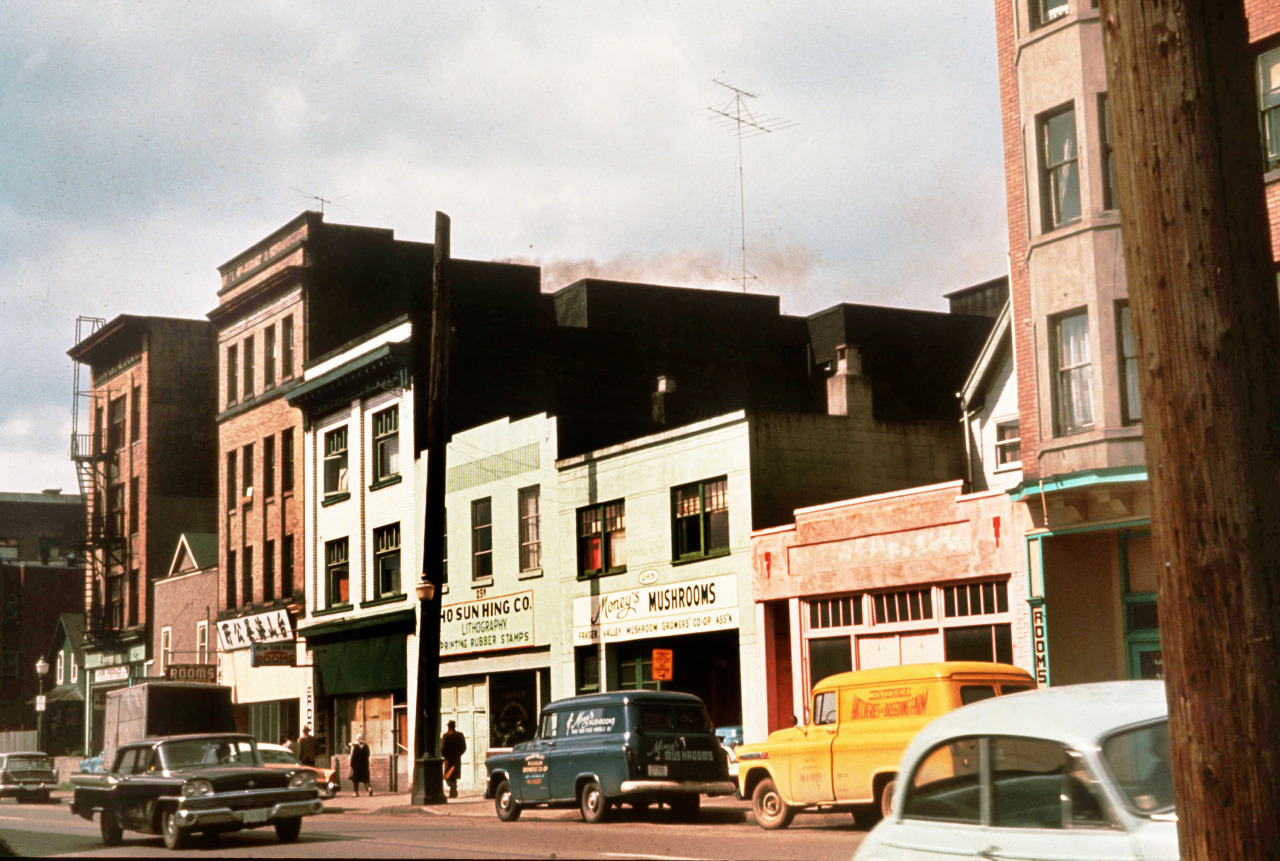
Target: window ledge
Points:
(386, 599)
(531, 574)
(595, 574)
(335, 498)
(1008, 467)
(482, 583)
(714, 554)
(1271, 176)
(332, 611)
(386, 482)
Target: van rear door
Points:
(677, 742)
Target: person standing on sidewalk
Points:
(360, 765)
(307, 747)
(453, 745)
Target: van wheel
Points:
(504, 803)
(770, 810)
(595, 807)
(109, 824)
(886, 797)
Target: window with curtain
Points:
(530, 529)
(1073, 373)
(1130, 394)
(1059, 168)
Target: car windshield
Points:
(190, 753)
(278, 756)
(1138, 759)
(19, 762)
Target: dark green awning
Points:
(362, 659)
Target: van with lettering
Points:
(600, 751)
(845, 756)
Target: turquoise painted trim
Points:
(1110, 525)
(1084, 478)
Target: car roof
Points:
(1077, 715)
(195, 736)
(613, 698)
(919, 672)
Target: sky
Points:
(143, 144)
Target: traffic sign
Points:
(662, 665)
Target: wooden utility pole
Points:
(1202, 290)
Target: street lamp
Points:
(42, 670)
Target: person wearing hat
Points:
(452, 746)
(360, 765)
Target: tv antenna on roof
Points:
(322, 201)
(736, 115)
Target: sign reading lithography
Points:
(504, 622)
(244, 631)
(658, 610)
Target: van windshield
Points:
(674, 719)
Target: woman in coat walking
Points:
(360, 765)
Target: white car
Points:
(1080, 772)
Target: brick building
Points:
(143, 445)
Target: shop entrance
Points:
(706, 665)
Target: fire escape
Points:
(104, 543)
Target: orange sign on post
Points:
(662, 665)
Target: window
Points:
(587, 669)
(246, 482)
(386, 443)
(602, 539)
(134, 493)
(947, 784)
(1073, 383)
(1047, 11)
(530, 529)
(246, 577)
(75, 671)
(286, 566)
(231, 578)
(135, 579)
(233, 387)
(166, 648)
(268, 571)
(1008, 444)
(115, 511)
(978, 643)
(825, 708)
(1130, 393)
(1269, 104)
(286, 460)
(231, 480)
(115, 428)
(248, 367)
(1059, 176)
(268, 467)
(1040, 784)
(202, 642)
(115, 600)
(135, 415)
(337, 575)
(386, 561)
(269, 357)
(1110, 199)
(62, 667)
(286, 347)
(481, 539)
(975, 599)
(700, 519)
(908, 605)
(335, 461)
(835, 612)
(8, 548)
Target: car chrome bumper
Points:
(690, 787)
(28, 787)
(227, 816)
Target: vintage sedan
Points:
(279, 756)
(211, 783)
(1080, 771)
(27, 776)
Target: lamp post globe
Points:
(42, 670)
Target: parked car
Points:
(1080, 771)
(27, 776)
(279, 756)
(212, 783)
(845, 757)
(599, 751)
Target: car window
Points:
(549, 724)
(125, 761)
(1036, 783)
(975, 693)
(825, 708)
(17, 762)
(146, 761)
(945, 785)
(1139, 760)
(277, 756)
(207, 751)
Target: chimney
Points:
(848, 391)
(665, 388)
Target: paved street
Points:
(388, 826)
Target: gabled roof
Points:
(72, 625)
(997, 343)
(195, 552)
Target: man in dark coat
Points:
(452, 746)
(307, 747)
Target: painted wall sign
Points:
(110, 674)
(690, 607)
(191, 673)
(502, 622)
(244, 631)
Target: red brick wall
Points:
(1264, 18)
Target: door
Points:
(465, 702)
(810, 772)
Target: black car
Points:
(211, 783)
(27, 776)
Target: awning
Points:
(361, 665)
(69, 693)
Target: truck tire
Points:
(175, 837)
(595, 807)
(109, 825)
(885, 799)
(770, 810)
(289, 829)
(504, 803)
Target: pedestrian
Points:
(452, 746)
(291, 743)
(307, 747)
(360, 765)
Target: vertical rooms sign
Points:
(504, 622)
(659, 610)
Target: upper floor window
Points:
(166, 648)
(115, 423)
(530, 529)
(268, 570)
(1130, 394)
(135, 415)
(1110, 198)
(269, 357)
(1073, 373)
(135, 502)
(268, 467)
(1008, 444)
(481, 539)
(386, 561)
(1046, 11)
(700, 519)
(1059, 168)
(231, 479)
(602, 538)
(75, 670)
(286, 347)
(286, 460)
(336, 573)
(906, 605)
(1269, 104)
(233, 385)
(248, 367)
(444, 549)
(335, 461)
(202, 642)
(231, 578)
(386, 443)
(62, 667)
(247, 471)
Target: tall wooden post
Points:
(428, 786)
(1202, 289)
